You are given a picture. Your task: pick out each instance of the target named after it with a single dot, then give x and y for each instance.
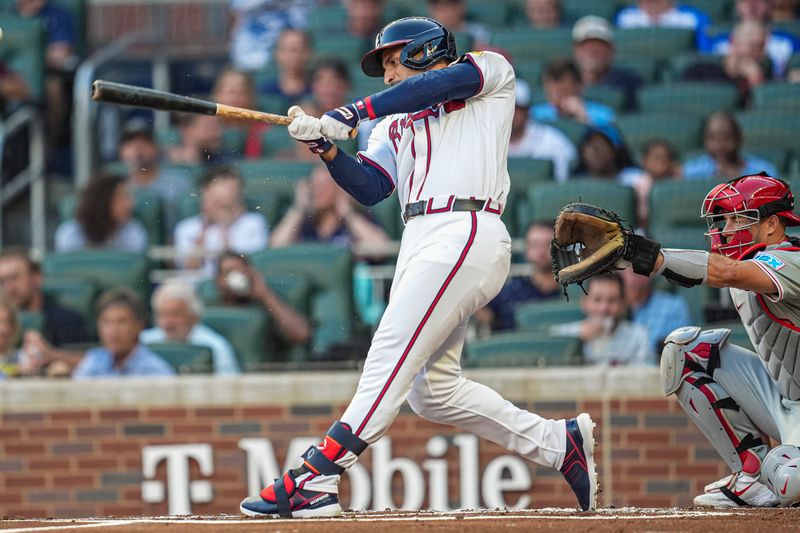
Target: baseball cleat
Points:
(304, 504)
(736, 490)
(578, 467)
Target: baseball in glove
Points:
(590, 240)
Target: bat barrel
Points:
(131, 95)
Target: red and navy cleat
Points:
(578, 467)
(298, 503)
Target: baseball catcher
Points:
(734, 395)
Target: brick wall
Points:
(87, 460)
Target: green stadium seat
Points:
(777, 96)
(167, 137)
(342, 46)
(246, 328)
(266, 169)
(688, 237)
(677, 203)
(185, 358)
(273, 103)
(233, 141)
(22, 49)
(690, 97)
(464, 42)
(540, 315)
(521, 349)
(610, 96)
(327, 19)
(75, 294)
(387, 213)
(547, 199)
(106, 269)
(523, 172)
(717, 10)
(329, 269)
(646, 67)
(529, 70)
(773, 128)
(365, 86)
(682, 130)
(493, 14)
(572, 10)
(276, 141)
(653, 42)
(571, 128)
(30, 320)
(677, 65)
(524, 43)
(270, 198)
(192, 172)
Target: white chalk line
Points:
(110, 523)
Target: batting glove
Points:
(308, 130)
(339, 123)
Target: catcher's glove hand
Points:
(590, 240)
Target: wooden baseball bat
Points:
(132, 95)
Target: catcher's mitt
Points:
(590, 240)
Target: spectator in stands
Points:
(292, 56)
(593, 50)
(543, 14)
(323, 212)
(103, 219)
(21, 283)
(330, 83)
(745, 65)
(539, 285)
(257, 25)
(10, 359)
(59, 30)
(120, 319)
(608, 337)
(603, 154)
(364, 19)
(659, 162)
(779, 45)
(201, 141)
(453, 15)
(724, 158)
(537, 140)
(561, 81)
(239, 284)
(177, 310)
(658, 312)
(13, 89)
(140, 153)
(223, 223)
(663, 14)
(235, 88)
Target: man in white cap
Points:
(593, 50)
(537, 140)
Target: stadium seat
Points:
(106, 269)
(646, 67)
(22, 48)
(610, 96)
(327, 19)
(233, 141)
(690, 97)
(524, 43)
(717, 10)
(273, 103)
(30, 320)
(690, 237)
(342, 46)
(572, 10)
(540, 315)
(653, 42)
(572, 129)
(523, 172)
(529, 70)
(270, 198)
(185, 358)
(387, 214)
(521, 349)
(75, 294)
(246, 328)
(773, 128)
(547, 199)
(464, 42)
(275, 141)
(682, 130)
(266, 169)
(677, 203)
(329, 269)
(777, 96)
(493, 14)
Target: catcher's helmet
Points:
(424, 41)
(752, 198)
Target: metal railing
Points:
(84, 145)
(31, 176)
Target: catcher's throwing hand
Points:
(590, 240)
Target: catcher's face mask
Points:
(729, 220)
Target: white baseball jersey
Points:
(456, 148)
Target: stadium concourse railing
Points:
(32, 176)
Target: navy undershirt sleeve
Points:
(364, 182)
(456, 82)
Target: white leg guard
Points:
(781, 473)
(688, 362)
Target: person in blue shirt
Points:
(663, 14)
(121, 317)
(724, 158)
(59, 31)
(563, 90)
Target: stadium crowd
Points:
(639, 106)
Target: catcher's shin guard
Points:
(288, 497)
(688, 362)
(780, 472)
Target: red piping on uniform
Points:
(382, 170)
(782, 321)
(425, 318)
(427, 157)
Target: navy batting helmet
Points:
(424, 41)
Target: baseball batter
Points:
(736, 396)
(442, 145)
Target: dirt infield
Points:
(605, 520)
